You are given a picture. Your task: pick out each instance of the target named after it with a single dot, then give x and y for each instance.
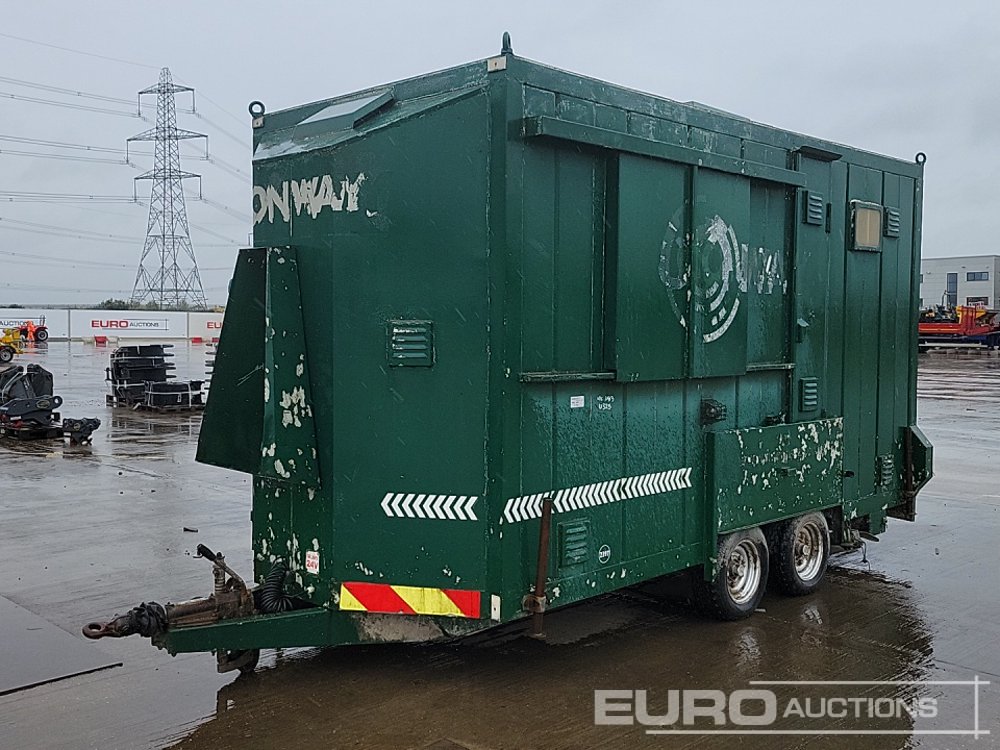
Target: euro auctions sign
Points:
(138, 324)
(120, 324)
(806, 707)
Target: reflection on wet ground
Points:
(100, 531)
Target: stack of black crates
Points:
(141, 377)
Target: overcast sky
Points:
(892, 77)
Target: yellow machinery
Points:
(10, 344)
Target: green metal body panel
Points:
(648, 311)
(780, 471)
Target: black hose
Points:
(148, 619)
(270, 597)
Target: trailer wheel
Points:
(801, 551)
(739, 584)
(6, 354)
(41, 334)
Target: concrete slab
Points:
(34, 652)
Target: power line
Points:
(82, 147)
(76, 51)
(226, 112)
(138, 203)
(25, 196)
(20, 259)
(67, 157)
(118, 60)
(227, 167)
(209, 231)
(226, 209)
(67, 105)
(63, 199)
(61, 144)
(242, 141)
(27, 288)
(49, 288)
(75, 232)
(60, 90)
(34, 258)
(141, 204)
(81, 234)
(66, 235)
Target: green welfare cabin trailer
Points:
(511, 338)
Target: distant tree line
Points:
(121, 304)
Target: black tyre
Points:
(6, 354)
(41, 334)
(800, 551)
(739, 584)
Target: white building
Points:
(965, 280)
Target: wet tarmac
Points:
(86, 532)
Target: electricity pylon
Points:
(168, 271)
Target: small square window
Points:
(867, 225)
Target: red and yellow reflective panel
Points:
(409, 600)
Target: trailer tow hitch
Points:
(149, 619)
(230, 598)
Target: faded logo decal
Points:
(726, 271)
(311, 195)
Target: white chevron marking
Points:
(418, 506)
(607, 492)
(583, 496)
(459, 511)
(526, 507)
(437, 507)
(536, 510)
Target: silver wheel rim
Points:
(810, 544)
(743, 572)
